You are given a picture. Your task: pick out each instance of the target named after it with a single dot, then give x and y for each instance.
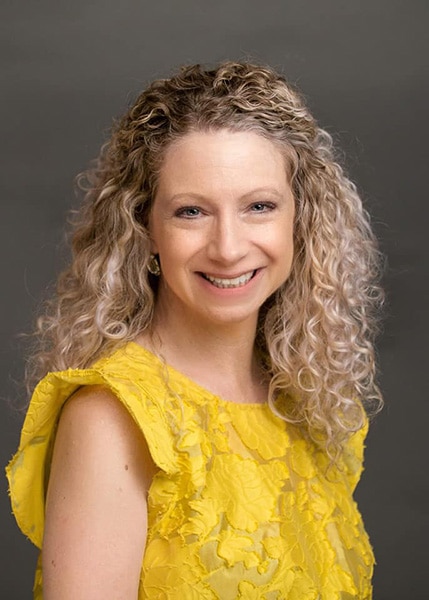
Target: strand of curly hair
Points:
(316, 333)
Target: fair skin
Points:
(222, 224)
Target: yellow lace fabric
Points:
(241, 507)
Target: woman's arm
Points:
(96, 509)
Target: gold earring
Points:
(153, 266)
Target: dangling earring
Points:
(153, 266)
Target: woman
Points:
(200, 432)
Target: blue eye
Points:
(188, 212)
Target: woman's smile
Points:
(229, 282)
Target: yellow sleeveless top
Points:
(242, 505)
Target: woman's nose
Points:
(227, 242)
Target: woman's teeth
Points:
(230, 283)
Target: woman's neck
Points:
(220, 358)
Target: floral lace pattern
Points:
(241, 507)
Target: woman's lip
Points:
(229, 276)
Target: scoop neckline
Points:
(191, 382)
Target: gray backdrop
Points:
(69, 67)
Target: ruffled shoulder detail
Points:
(136, 384)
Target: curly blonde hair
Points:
(316, 333)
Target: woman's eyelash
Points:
(192, 212)
(262, 206)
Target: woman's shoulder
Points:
(92, 404)
(125, 374)
(130, 359)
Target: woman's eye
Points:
(262, 206)
(188, 212)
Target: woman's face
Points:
(222, 224)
